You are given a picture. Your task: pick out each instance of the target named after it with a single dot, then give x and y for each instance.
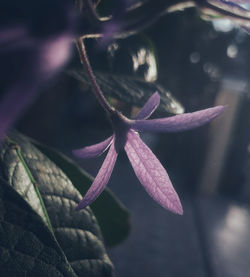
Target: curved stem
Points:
(135, 18)
(146, 14)
(96, 89)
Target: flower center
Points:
(121, 127)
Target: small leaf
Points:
(77, 233)
(130, 90)
(112, 216)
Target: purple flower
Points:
(35, 44)
(147, 167)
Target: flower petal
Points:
(101, 179)
(93, 150)
(152, 174)
(177, 123)
(150, 106)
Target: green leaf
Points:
(130, 90)
(111, 215)
(75, 246)
(27, 247)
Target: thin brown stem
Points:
(96, 89)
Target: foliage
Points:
(35, 196)
(41, 232)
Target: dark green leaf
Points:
(111, 215)
(130, 90)
(77, 233)
(27, 247)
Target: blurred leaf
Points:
(138, 56)
(112, 216)
(130, 90)
(28, 247)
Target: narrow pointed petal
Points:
(149, 107)
(94, 150)
(152, 174)
(177, 123)
(101, 179)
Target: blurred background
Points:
(197, 64)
